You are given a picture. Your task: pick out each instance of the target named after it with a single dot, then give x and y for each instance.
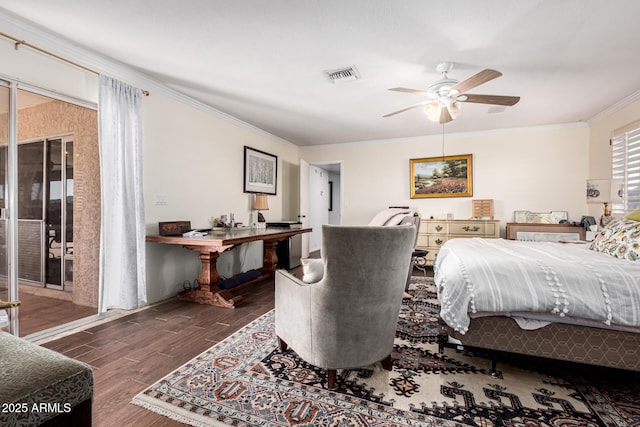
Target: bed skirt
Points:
(581, 344)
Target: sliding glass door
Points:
(58, 212)
(39, 151)
(8, 284)
(45, 212)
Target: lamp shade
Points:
(260, 203)
(432, 110)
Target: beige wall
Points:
(538, 169)
(194, 159)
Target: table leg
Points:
(270, 260)
(208, 278)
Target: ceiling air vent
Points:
(342, 75)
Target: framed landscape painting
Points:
(444, 176)
(260, 171)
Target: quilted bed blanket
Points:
(504, 276)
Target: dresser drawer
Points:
(436, 241)
(470, 228)
(492, 229)
(437, 227)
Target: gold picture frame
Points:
(444, 176)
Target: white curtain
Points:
(122, 233)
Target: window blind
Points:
(625, 165)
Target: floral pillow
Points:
(620, 239)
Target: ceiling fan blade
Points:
(491, 99)
(476, 80)
(407, 90)
(445, 116)
(420, 104)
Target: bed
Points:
(565, 301)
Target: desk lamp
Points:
(260, 204)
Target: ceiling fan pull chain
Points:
(443, 142)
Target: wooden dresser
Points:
(434, 232)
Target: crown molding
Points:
(100, 64)
(453, 135)
(624, 102)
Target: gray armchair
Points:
(348, 318)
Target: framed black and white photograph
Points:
(260, 171)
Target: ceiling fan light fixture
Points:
(442, 87)
(432, 110)
(447, 94)
(454, 108)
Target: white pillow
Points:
(312, 270)
(384, 217)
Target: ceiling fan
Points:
(445, 95)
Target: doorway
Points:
(45, 212)
(325, 200)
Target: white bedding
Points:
(496, 275)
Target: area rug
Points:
(246, 381)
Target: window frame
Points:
(625, 166)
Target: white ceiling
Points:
(264, 61)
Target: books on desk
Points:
(284, 224)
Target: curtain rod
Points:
(18, 43)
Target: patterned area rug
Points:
(246, 381)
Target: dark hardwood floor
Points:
(132, 352)
(38, 312)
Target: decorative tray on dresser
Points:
(435, 232)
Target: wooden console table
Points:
(212, 245)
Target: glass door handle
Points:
(9, 304)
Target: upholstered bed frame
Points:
(580, 344)
(575, 287)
